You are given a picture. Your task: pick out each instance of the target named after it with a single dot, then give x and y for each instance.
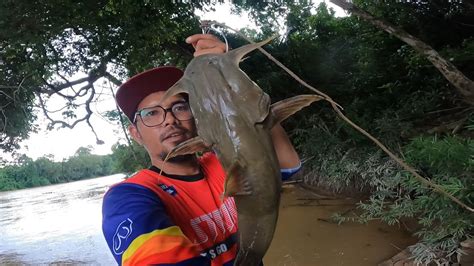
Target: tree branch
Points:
(89, 114)
(463, 84)
(54, 122)
(338, 109)
(56, 88)
(122, 123)
(113, 79)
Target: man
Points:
(176, 217)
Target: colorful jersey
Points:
(172, 220)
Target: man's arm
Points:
(139, 232)
(286, 153)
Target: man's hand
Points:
(206, 44)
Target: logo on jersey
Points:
(123, 231)
(168, 189)
(209, 226)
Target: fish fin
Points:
(285, 108)
(176, 89)
(240, 52)
(235, 183)
(189, 146)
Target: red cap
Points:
(135, 89)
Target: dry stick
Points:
(163, 165)
(122, 124)
(337, 108)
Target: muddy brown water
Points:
(306, 235)
(61, 225)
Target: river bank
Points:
(305, 234)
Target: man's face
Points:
(160, 140)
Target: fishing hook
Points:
(210, 25)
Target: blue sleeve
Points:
(131, 211)
(286, 173)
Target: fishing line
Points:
(208, 26)
(338, 109)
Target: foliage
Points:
(442, 224)
(384, 86)
(44, 171)
(43, 44)
(129, 159)
(397, 95)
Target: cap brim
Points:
(135, 89)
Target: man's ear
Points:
(133, 130)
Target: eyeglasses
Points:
(156, 115)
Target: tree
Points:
(396, 94)
(44, 45)
(43, 171)
(462, 83)
(383, 84)
(129, 159)
(83, 151)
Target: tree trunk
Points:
(463, 84)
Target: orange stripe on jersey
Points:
(174, 255)
(157, 244)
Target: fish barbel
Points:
(233, 117)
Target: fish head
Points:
(215, 83)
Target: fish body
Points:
(233, 118)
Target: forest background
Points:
(384, 85)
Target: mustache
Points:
(173, 130)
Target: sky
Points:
(63, 143)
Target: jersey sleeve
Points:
(210, 158)
(286, 173)
(139, 232)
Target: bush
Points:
(398, 195)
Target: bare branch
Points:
(56, 88)
(4, 93)
(66, 80)
(122, 123)
(88, 88)
(465, 24)
(113, 79)
(5, 121)
(52, 111)
(89, 114)
(53, 122)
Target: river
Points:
(55, 224)
(61, 224)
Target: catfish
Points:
(233, 117)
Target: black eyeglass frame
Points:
(166, 111)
